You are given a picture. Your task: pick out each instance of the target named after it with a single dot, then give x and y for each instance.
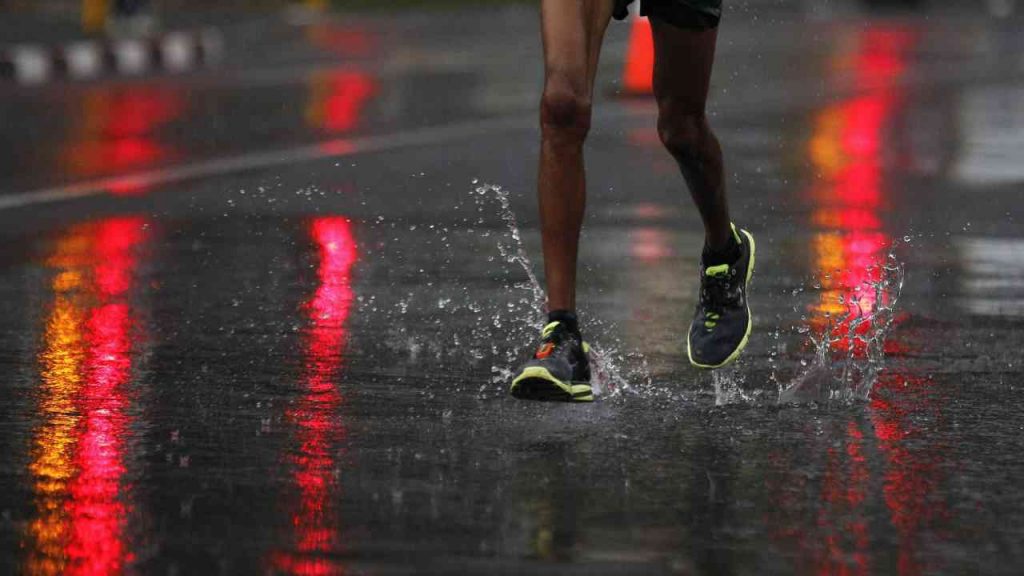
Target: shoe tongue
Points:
(719, 270)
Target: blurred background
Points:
(121, 16)
(172, 69)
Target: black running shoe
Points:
(559, 369)
(721, 323)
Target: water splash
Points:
(612, 371)
(512, 250)
(728, 384)
(849, 353)
(495, 329)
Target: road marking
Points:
(768, 100)
(32, 64)
(84, 60)
(258, 160)
(336, 148)
(36, 64)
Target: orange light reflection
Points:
(846, 149)
(848, 248)
(78, 457)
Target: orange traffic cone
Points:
(638, 74)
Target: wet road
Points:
(260, 319)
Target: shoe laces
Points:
(555, 335)
(719, 290)
(549, 330)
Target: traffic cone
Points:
(638, 73)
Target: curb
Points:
(173, 52)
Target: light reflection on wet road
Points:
(78, 465)
(317, 418)
(300, 369)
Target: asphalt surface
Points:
(261, 319)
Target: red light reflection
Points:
(881, 56)
(114, 245)
(316, 415)
(96, 511)
(849, 246)
(128, 186)
(846, 148)
(118, 128)
(342, 40)
(79, 456)
(836, 538)
(844, 490)
(337, 99)
(337, 147)
(912, 472)
(650, 245)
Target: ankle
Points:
(567, 318)
(725, 252)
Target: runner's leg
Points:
(572, 32)
(682, 73)
(722, 321)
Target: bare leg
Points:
(573, 31)
(682, 74)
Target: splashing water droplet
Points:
(850, 353)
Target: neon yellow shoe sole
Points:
(537, 383)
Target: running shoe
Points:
(721, 323)
(558, 371)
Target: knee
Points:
(564, 113)
(685, 136)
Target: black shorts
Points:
(693, 14)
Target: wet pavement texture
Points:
(262, 320)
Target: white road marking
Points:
(257, 160)
(770, 99)
(178, 52)
(85, 59)
(131, 56)
(32, 64)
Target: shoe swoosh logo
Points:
(544, 351)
